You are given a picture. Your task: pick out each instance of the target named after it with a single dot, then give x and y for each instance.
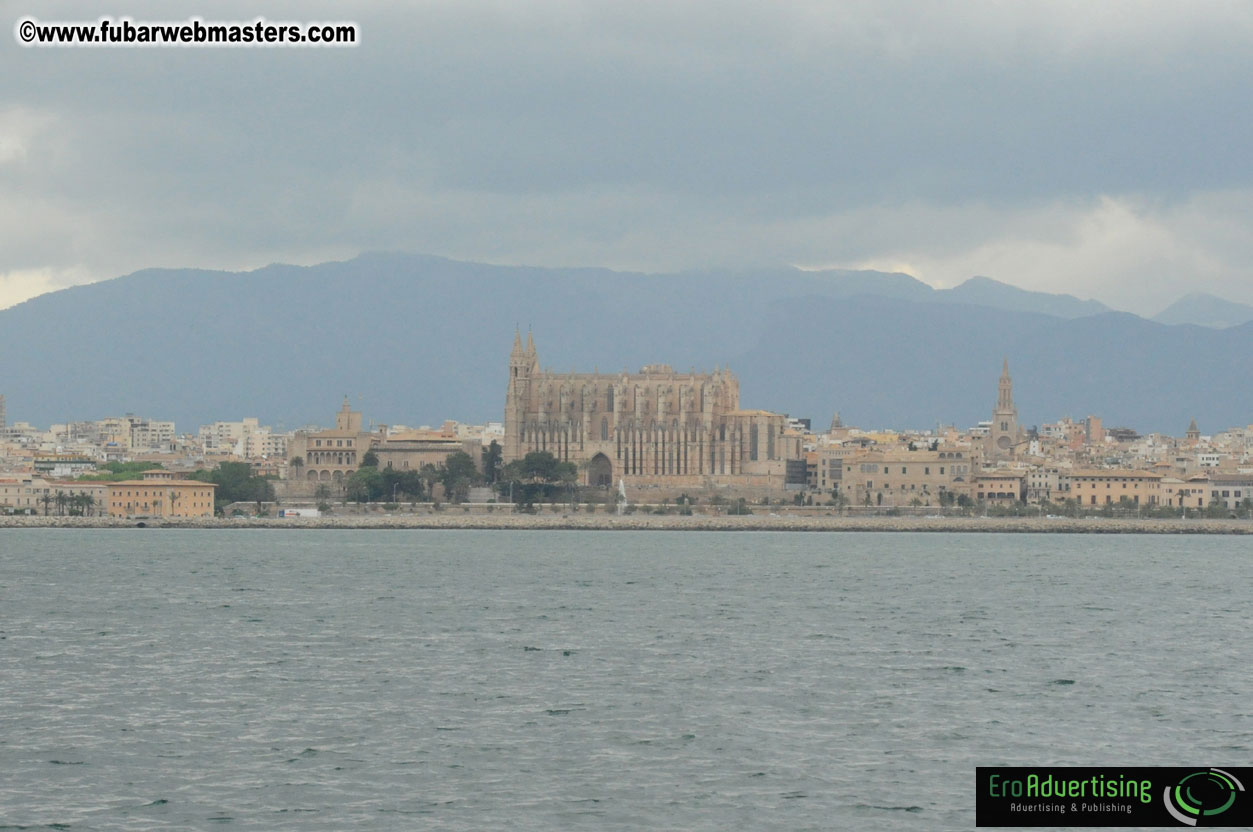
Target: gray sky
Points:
(1101, 149)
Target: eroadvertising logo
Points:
(1112, 796)
(1202, 796)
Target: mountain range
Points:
(1205, 310)
(415, 339)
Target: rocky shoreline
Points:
(647, 522)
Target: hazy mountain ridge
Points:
(415, 339)
(1203, 309)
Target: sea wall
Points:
(453, 519)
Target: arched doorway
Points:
(600, 472)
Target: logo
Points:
(1201, 796)
(1140, 796)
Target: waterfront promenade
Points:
(455, 519)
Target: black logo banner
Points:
(1114, 796)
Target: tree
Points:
(458, 474)
(117, 471)
(365, 485)
(538, 476)
(395, 483)
(492, 456)
(236, 483)
(46, 499)
(430, 475)
(369, 459)
(322, 492)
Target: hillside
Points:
(416, 339)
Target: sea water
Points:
(472, 680)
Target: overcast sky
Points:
(1101, 149)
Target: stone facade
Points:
(898, 478)
(330, 456)
(1004, 435)
(656, 428)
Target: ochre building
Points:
(656, 427)
(158, 494)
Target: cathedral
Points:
(654, 428)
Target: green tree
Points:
(118, 471)
(236, 483)
(365, 485)
(458, 474)
(538, 476)
(397, 483)
(492, 456)
(369, 459)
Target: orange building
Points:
(159, 495)
(1109, 487)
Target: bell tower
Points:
(1004, 433)
(523, 365)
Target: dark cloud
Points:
(646, 136)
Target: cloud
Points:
(1099, 150)
(17, 286)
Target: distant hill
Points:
(1205, 310)
(416, 339)
(985, 291)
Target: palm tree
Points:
(46, 499)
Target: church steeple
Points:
(1004, 434)
(1005, 390)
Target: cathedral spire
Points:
(517, 342)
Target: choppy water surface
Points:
(468, 680)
